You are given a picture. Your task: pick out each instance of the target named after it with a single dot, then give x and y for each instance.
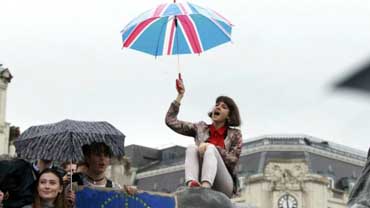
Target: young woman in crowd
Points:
(212, 161)
(49, 190)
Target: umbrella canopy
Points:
(62, 141)
(176, 28)
(360, 80)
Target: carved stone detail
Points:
(286, 176)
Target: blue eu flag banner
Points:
(88, 197)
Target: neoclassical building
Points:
(5, 78)
(275, 171)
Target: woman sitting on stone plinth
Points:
(212, 161)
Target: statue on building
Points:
(360, 194)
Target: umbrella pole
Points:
(178, 64)
(178, 67)
(71, 173)
(178, 55)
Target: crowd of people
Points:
(53, 184)
(210, 163)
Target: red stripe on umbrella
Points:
(190, 31)
(171, 36)
(137, 31)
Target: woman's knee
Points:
(192, 148)
(211, 148)
(211, 151)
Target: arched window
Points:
(331, 183)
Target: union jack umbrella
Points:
(176, 28)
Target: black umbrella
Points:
(62, 141)
(359, 80)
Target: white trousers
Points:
(210, 168)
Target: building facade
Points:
(290, 184)
(276, 171)
(5, 78)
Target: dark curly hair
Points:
(234, 115)
(97, 148)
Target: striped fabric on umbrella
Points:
(176, 28)
(62, 141)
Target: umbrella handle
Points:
(178, 82)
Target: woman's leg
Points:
(191, 163)
(215, 172)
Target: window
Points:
(155, 186)
(241, 182)
(331, 183)
(182, 180)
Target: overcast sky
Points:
(67, 62)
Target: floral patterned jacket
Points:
(200, 132)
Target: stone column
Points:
(5, 78)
